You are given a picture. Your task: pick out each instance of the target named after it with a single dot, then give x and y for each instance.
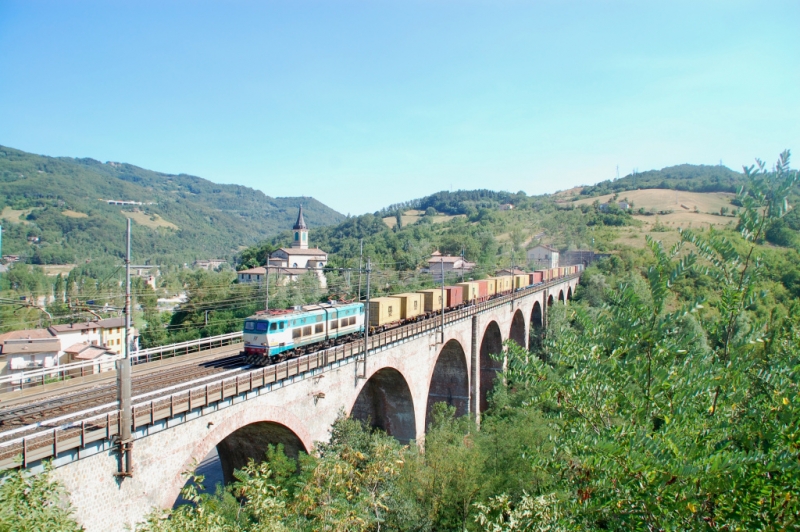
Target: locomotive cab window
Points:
(249, 326)
(261, 326)
(273, 326)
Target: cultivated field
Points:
(412, 216)
(74, 214)
(152, 221)
(671, 200)
(54, 269)
(12, 215)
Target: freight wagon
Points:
(432, 300)
(470, 291)
(455, 296)
(412, 305)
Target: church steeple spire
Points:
(300, 223)
(300, 231)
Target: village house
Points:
(28, 349)
(208, 264)
(543, 256)
(449, 264)
(108, 333)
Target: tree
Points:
(663, 420)
(32, 503)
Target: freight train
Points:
(270, 336)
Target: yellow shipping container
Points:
(433, 299)
(521, 281)
(470, 291)
(503, 283)
(492, 285)
(383, 310)
(412, 304)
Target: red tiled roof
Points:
(25, 334)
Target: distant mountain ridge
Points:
(54, 210)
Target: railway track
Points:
(61, 406)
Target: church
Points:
(288, 264)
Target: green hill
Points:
(54, 210)
(688, 177)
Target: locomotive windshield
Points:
(256, 326)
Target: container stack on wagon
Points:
(470, 291)
(383, 311)
(412, 305)
(433, 299)
(455, 296)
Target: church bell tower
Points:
(300, 231)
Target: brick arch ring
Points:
(229, 426)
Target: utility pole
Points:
(513, 281)
(363, 374)
(124, 375)
(360, 265)
(441, 262)
(462, 264)
(266, 303)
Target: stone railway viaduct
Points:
(402, 379)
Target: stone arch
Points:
(550, 300)
(251, 441)
(274, 425)
(569, 293)
(561, 296)
(449, 381)
(386, 403)
(537, 326)
(517, 332)
(492, 343)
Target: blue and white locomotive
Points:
(273, 334)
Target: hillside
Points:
(688, 177)
(61, 202)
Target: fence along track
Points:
(77, 434)
(105, 393)
(38, 377)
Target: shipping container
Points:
(455, 296)
(483, 289)
(433, 299)
(503, 283)
(383, 310)
(520, 281)
(470, 291)
(412, 304)
(537, 278)
(492, 284)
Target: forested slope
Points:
(57, 200)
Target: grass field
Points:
(671, 200)
(153, 221)
(74, 214)
(11, 215)
(412, 216)
(55, 269)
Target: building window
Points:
(305, 237)
(297, 236)
(294, 265)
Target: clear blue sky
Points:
(363, 104)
